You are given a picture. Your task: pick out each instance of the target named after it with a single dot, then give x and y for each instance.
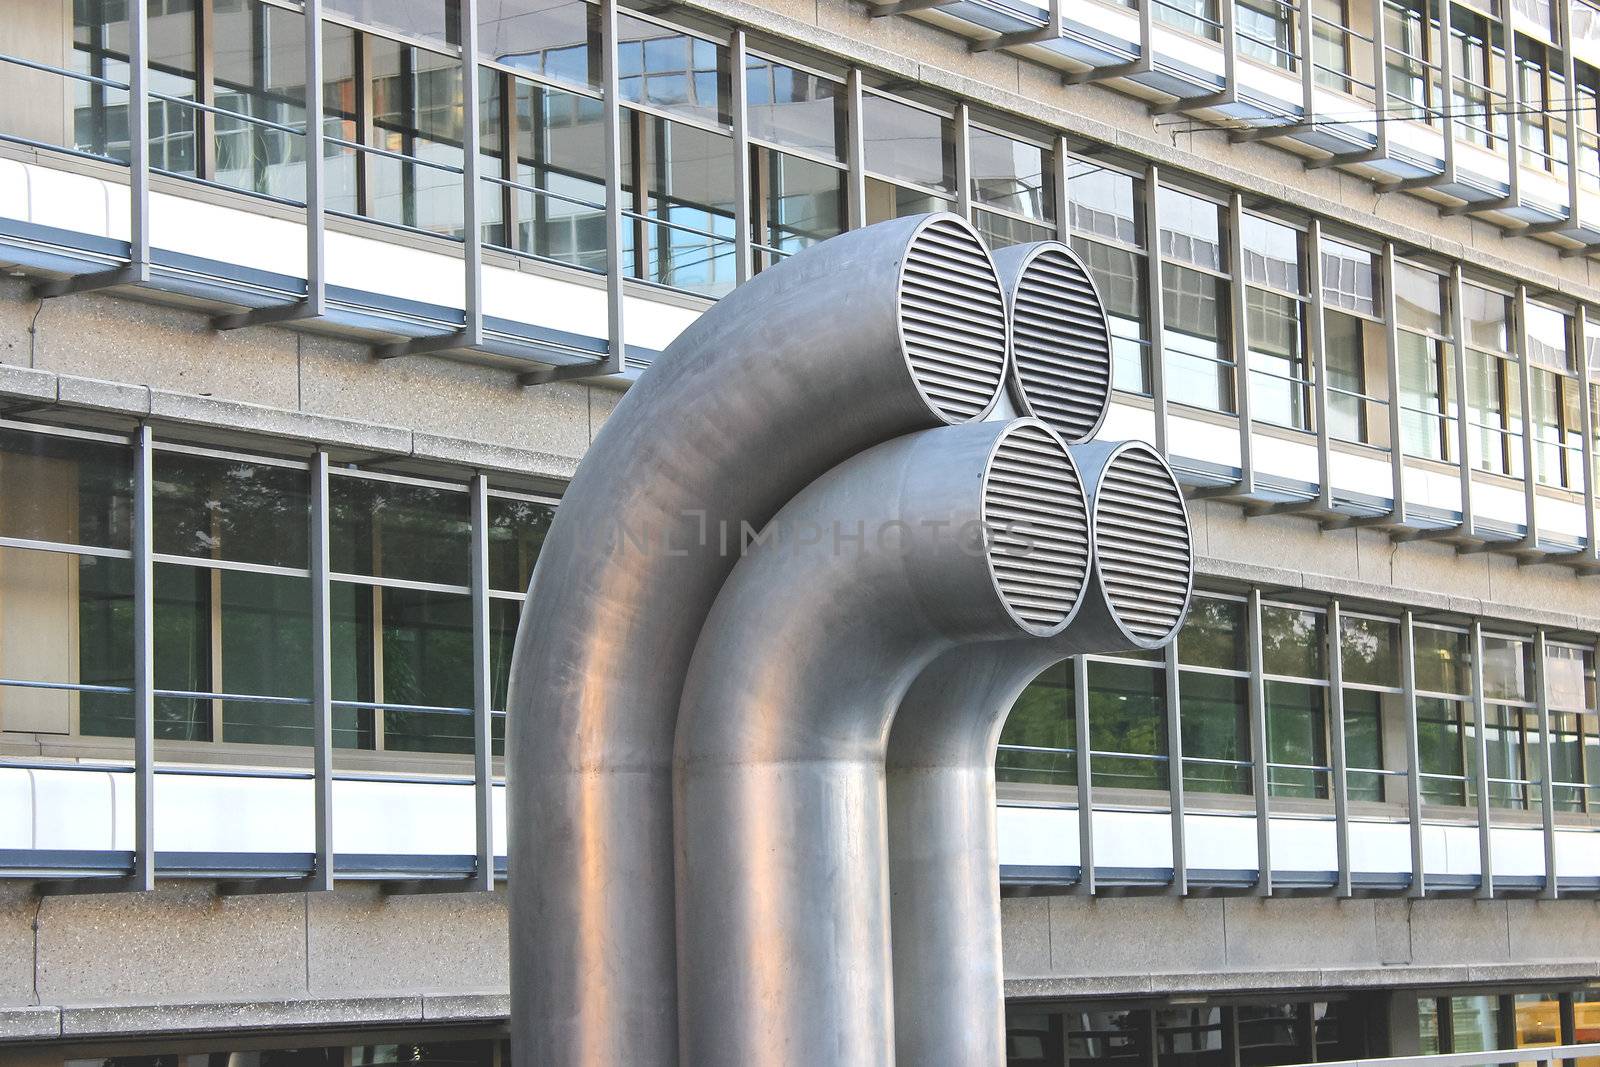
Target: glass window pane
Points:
(100, 119)
(517, 530)
(789, 106)
(208, 508)
(1212, 635)
(1507, 668)
(908, 143)
(1272, 253)
(804, 202)
(1127, 716)
(266, 651)
(1348, 278)
(65, 490)
(1547, 339)
(1036, 743)
(1191, 229)
(427, 660)
(1011, 174)
(688, 183)
(1419, 298)
(1119, 275)
(259, 71)
(1196, 336)
(1363, 743)
(1344, 342)
(416, 112)
(395, 530)
(503, 618)
(559, 39)
(1216, 726)
(671, 70)
(1003, 231)
(1443, 661)
(1296, 734)
(1487, 315)
(414, 18)
(560, 149)
(1105, 203)
(1292, 641)
(1442, 761)
(1371, 651)
(182, 640)
(1279, 376)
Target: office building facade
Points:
(287, 406)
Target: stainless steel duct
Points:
(943, 853)
(862, 579)
(1060, 339)
(868, 336)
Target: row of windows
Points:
(1127, 709)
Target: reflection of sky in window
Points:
(792, 107)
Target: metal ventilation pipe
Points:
(873, 334)
(1060, 339)
(865, 576)
(943, 854)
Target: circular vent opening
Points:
(1061, 344)
(1038, 526)
(953, 319)
(1142, 545)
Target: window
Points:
(1511, 725)
(1280, 375)
(1330, 46)
(1198, 17)
(1197, 329)
(100, 113)
(1426, 358)
(1409, 72)
(1127, 725)
(798, 199)
(910, 155)
(1011, 189)
(259, 71)
(1372, 693)
(1494, 403)
(1472, 99)
(558, 152)
(416, 112)
(682, 186)
(1541, 125)
(1293, 644)
(1556, 401)
(1353, 338)
(668, 69)
(1265, 31)
(794, 108)
(554, 39)
(1037, 742)
(1106, 211)
(1574, 727)
(1444, 694)
(1213, 691)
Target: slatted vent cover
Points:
(1061, 344)
(953, 320)
(1038, 527)
(1142, 543)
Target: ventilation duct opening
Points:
(1142, 544)
(1038, 526)
(1061, 343)
(953, 319)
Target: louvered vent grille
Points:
(1038, 527)
(1142, 543)
(953, 320)
(1061, 345)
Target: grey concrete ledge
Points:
(464, 1007)
(113, 1020)
(22, 1024)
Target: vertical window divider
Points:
(1317, 341)
(611, 95)
(471, 177)
(1467, 525)
(143, 878)
(1513, 197)
(321, 672)
(1308, 66)
(1547, 804)
(739, 112)
(1408, 683)
(1586, 417)
(1156, 301)
(1246, 485)
(1260, 764)
(1380, 85)
(205, 122)
(1336, 747)
(1175, 787)
(963, 147)
(1397, 516)
(482, 689)
(1058, 181)
(1082, 741)
(1480, 758)
(855, 152)
(1530, 477)
(1447, 84)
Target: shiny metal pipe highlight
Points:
(943, 853)
(862, 579)
(1060, 339)
(871, 335)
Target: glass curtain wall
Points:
(1105, 209)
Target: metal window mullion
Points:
(1316, 338)
(1336, 747)
(1458, 343)
(1058, 178)
(1084, 745)
(1569, 75)
(1481, 764)
(1530, 479)
(1447, 81)
(1259, 770)
(855, 152)
(611, 96)
(1230, 51)
(1380, 82)
(471, 178)
(1308, 66)
(139, 141)
(316, 165)
(739, 112)
(1513, 198)
(321, 675)
(1408, 682)
(963, 152)
(144, 702)
(482, 689)
(1586, 417)
(1241, 343)
(1155, 293)
(1391, 339)
(1175, 785)
(1547, 804)
(205, 122)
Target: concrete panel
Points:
(603, 401)
(1393, 921)
(431, 394)
(362, 941)
(1279, 541)
(17, 907)
(98, 336)
(1553, 929)
(239, 1015)
(1459, 931)
(1025, 936)
(180, 943)
(17, 309)
(1301, 933)
(1136, 935)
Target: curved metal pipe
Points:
(943, 853)
(873, 334)
(869, 573)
